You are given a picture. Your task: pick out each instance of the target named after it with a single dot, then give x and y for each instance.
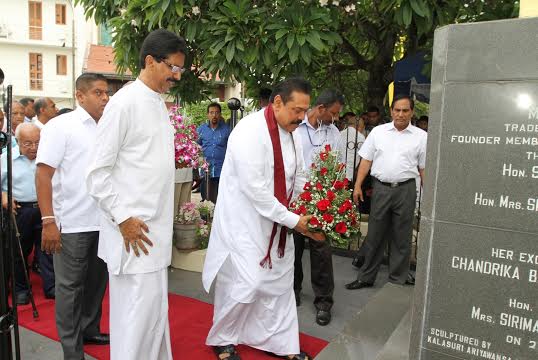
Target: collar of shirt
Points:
(82, 115)
(220, 125)
(391, 127)
(144, 88)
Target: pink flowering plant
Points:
(188, 153)
(202, 233)
(188, 214)
(327, 198)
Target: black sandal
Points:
(301, 356)
(226, 349)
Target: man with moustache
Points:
(26, 211)
(17, 115)
(71, 218)
(316, 131)
(396, 154)
(250, 250)
(213, 137)
(132, 180)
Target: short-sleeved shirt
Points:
(67, 144)
(396, 155)
(23, 176)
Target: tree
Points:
(327, 41)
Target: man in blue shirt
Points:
(26, 209)
(213, 137)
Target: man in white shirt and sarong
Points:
(316, 131)
(251, 252)
(71, 218)
(132, 180)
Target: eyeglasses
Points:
(175, 69)
(29, 144)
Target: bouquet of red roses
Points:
(327, 198)
(187, 151)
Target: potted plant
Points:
(185, 225)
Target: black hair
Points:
(423, 118)
(372, 108)
(329, 97)
(39, 104)
(214, 104)
(349, 113)
(265, 94)
(160, 44)
(64, 111)
(85, 81)
(287, 86)
(25, 101)
(403, 97)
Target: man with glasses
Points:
(132, 180)
(71, 218)
(213, 137)
(26, 210)
(316, 131)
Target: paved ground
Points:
(347, 303)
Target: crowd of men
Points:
(94, 195)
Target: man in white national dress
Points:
(250, 250)
(132, 180)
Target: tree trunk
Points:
(381, 73)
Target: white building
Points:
(42, 47)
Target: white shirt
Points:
(38, 123)
(396, 155)
(313, 140)
(132, 175)
(183, 175)
(351, 141)
(66, 144)
(247, 209)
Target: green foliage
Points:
(198, 112)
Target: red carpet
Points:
(190, 321)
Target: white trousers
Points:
(268, 323)
(139, 316)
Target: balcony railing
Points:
(52, 35)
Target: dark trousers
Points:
(321, 265)
(392, 208)
(29, 224)
(209, 190)
(81, 279)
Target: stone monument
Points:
(477, 286)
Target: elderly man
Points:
(396, 153)
(213, 137)
(26, 210)
(132, 180)
(29, 111)
(45, 110)
(67, 143)
(17, 115)
(316, 131)
(250, 251)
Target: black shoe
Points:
(323, 317)
(358, 284)
(50, 295)
(22, 298)
(101, 339)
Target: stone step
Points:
(397, 347)
(368, 331)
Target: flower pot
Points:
(185, 236)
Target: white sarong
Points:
(268, 323)
(139, 316)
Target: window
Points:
(61, 65)
(36, 71)
(36, 22)
(60, 14)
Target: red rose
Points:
(328, 218)
(346, 182)
(341, 228)
(302, 210)
(330, 195)
(306, 196)
(319, 186)
(307, 186)
(323, 204)
(338, 185)
(323, 156)
(323, 171)
(342, 209)
(348, 204)
(314, 221)
(327, 147)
